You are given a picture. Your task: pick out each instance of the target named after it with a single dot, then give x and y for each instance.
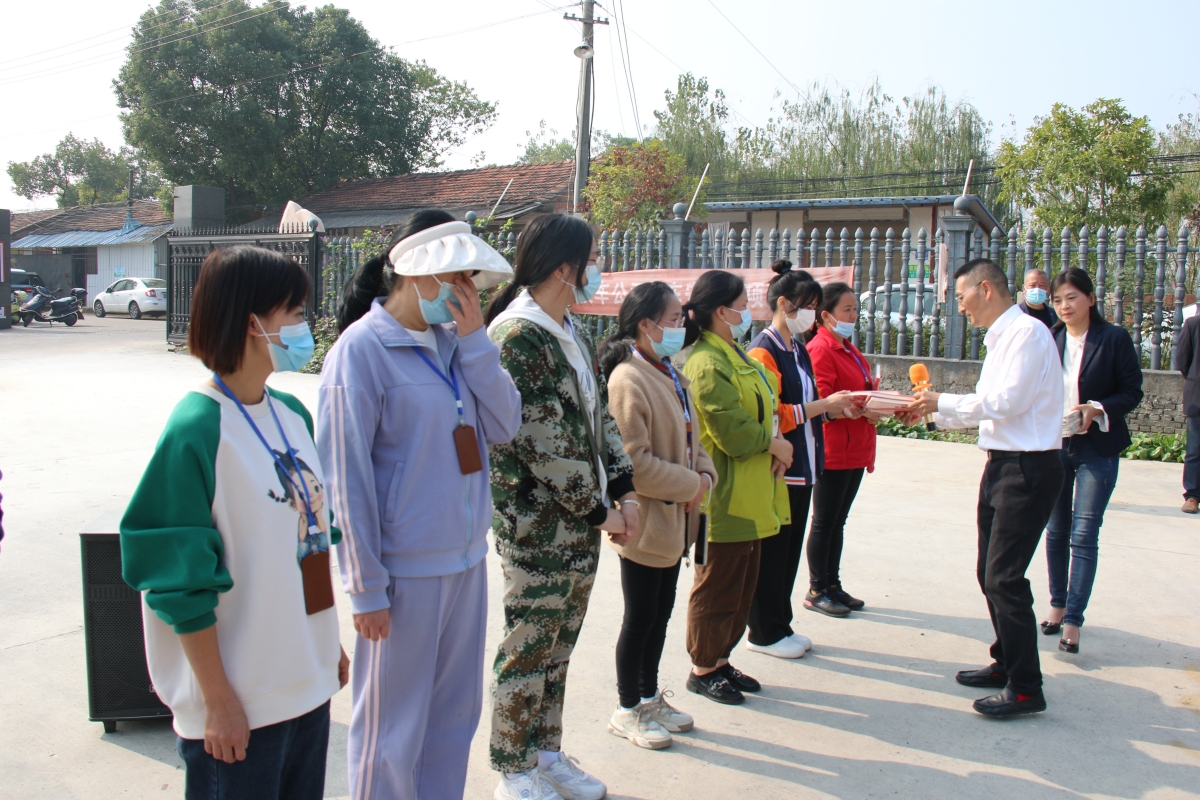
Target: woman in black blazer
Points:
(1102, 379)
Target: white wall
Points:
(137, 259)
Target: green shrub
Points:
(1168, 447)
(893, 427)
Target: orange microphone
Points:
(919, 375)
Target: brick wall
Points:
(1161, 409)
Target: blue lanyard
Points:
(313, 527)
(452, 381)
(666, 362)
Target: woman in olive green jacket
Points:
(739, 428)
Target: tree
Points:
(274, 103)
(1089, 166)
(544, 147)
(1182, 138)
(693, 125)
(636, 185)
(83, 173)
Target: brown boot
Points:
(1191, 506)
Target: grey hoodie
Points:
(385, 429)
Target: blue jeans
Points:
(1191, 459)
(1073, 533)
(284, 761)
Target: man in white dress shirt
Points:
(1018, 406)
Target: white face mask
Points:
(802, 322)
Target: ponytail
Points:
(499, 302)
(367, 283)
(715, 289)
(644, 301)
(376, 278)
(547, 243)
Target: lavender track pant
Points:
(418, 694)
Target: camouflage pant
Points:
(543, 612)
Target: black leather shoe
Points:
(1068, 647)
(988, 677)
(825, 604)
(1051, 628)
(740, 679)
(715, 687)
(1009, 704)
(839, 594)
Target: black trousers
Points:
(771, 612)
(832, 497)
(1016, 496)
(649, 599)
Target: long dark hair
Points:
(371, 280)
(714, 289)
(832, 296)
(644, 301)
(794, 285)
(548, 242)
(1074, 276)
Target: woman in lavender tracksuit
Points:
(408, 480)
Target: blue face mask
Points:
(435, 311)
(844, 329)
(586, 292)
(740, 329)
(672, 341)
(295, 347)
(1035, 296)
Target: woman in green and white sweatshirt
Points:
(228, 536)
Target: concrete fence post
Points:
(957, 230)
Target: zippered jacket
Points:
(214, 535)
(385, 428)
(849, 443)
(735, 405)
(545, 483)
(794, 368)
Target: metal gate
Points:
(188, 249)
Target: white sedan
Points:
(133, 296)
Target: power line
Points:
(627, 64)
(752, 44)
(161, 42)
(175, 18)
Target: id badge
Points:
(468, 449)
(775, 425)
(318, 582)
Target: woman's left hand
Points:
(778, 468)
(343, 669)
(468, 317)
(1089, 413)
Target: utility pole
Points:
(583, 121)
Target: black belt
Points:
(1008, 455)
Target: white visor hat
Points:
(450, 247)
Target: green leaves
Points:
(274, 105)
(1168, 447)
(635, 186)
(83, 173)
(1089, 166)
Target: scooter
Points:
(43, 307)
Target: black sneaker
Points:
(740, 679)
(822, 602)
(850, 602)
(715, 687)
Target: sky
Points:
(1013, 61)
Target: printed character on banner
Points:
(291, 470)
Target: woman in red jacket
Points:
(849, 449)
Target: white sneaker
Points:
(530, 785)
(784, 648)
(803, 640)
(639, 726)
(572, 783)
(667, 715)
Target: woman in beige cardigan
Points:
(653, 409)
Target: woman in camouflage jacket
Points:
(551, 490)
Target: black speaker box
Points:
(119, 686)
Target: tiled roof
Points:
(533, 184)
(84, 218)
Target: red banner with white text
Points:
(616, 285)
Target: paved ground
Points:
(873, 710)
